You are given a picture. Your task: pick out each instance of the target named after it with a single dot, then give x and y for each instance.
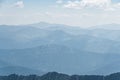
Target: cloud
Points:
(101, 4)
(1, 15)
(19, 4)
(59, 1)
(56, 15)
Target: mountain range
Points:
(48, 47)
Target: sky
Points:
(83, 13)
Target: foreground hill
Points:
(59, 76)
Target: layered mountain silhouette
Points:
(62, 48)
(61, 76)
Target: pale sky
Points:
(82, 13)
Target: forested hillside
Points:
(59, 76)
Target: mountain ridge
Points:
(81, 50)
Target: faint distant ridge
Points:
(19, 70)
(46, 24)
(107, 27)
(40, 24)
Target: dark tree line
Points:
(58, 76)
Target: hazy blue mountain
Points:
(106, 34)
(58, 58)
(62, 48)
(20, 36)
(7, 68)
(3, 63)
(107, 27)
(25, 36)
(37, 34)
(107, 69)
(19, 70)
(108, 31)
